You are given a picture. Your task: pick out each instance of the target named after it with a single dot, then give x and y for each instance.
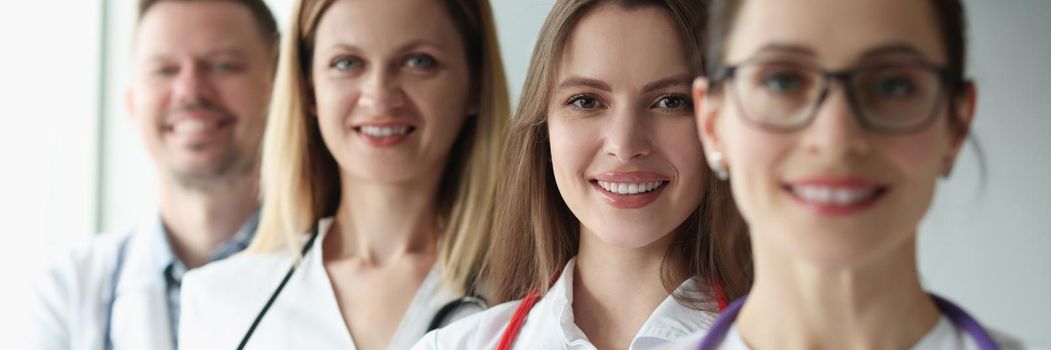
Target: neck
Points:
(377, 222)
(878, 304)
(197, 221)
(616, 289)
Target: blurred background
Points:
(73, 166)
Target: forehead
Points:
(609, 40)
(176, 28)
(837, 31)
(386, 23)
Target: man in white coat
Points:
(202, 76)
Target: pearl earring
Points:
(715, 161)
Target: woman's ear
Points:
(706, 112)
(964, 108)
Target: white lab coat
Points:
(220, 301)
(550, 324)
(70, 303)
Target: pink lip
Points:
(634, 201)
(383, 142)
(833, 209)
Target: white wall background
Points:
(49, 93)
(74, 165)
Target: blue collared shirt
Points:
(169, 266)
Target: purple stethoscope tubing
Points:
(955, 314)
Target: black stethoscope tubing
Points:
(436, 322)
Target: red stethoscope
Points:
(518, 319)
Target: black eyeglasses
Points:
(894, 97)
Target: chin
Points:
(628, 235)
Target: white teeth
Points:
(629, 188)
(834, 196)
(384, 131)
(189, 126)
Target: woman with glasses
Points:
(833, 127)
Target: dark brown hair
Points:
(260, 12)
(535, 234)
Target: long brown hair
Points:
(300, 178)
(535, 234)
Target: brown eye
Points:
(584, 102)
(673, 102)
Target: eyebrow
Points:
(404, 47)
(575, 81)
(787, 48)
(583, 82)
(231, 51)
(888, 49)
(675, 80)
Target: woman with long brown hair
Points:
(378, 181)
(611, 232)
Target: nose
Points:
(381, 93)
(627, 136)
(836, 130)
(192, 84)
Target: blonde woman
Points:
(614, 235)
(378, 182)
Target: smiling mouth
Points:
(384, 131)
(629, 188)
(197, 130)
(836, 199)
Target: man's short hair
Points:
(260, 12)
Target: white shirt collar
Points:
(670, 321)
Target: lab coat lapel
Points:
(140, 311)
(310, 300)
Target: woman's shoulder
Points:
(225, 295)
(245, 271)
(1008, 342)
(478, 331)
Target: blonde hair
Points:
(535, 234)
(300, 178)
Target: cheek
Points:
(333, 102)
(678, 141)
(248, 99)
(148, 106)
(917, 156)
(754, 157)
(441, 104)
(571, 149)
